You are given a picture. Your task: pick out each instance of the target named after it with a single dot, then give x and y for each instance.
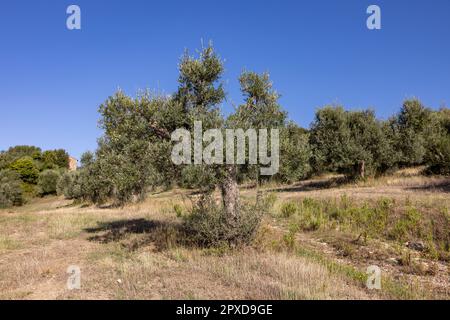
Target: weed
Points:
(288, 209)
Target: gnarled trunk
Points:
(362, 169)
(230, 193)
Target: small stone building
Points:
(73, 164)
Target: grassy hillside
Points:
(310, 247)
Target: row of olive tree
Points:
(134, 154)
(357, 144)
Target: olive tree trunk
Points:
(362, 169)
(230, 193)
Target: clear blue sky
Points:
(52, 80)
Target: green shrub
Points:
(65, 184)
(70, 185)
(439, 162)
(312, 222)
(48, 181)
(29, 190)
(289, 240)
(93, 182)
(10, 189)
(378, 218)
(208, 225)
(288, 209)
(312, 214)
(408, 226)
(178, 210)
(311, 204)
(267, 202)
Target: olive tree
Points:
(349, 142)
(10, 189)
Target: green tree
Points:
(349, 142)
(330, 140)
(437, 137)
(26, 168)
(54, 159)
(135, 150)
(409, 128)
(370, 147)
(17, 152)
(47, 182)
(295, 153)
(65, 185)
(10, 189)
(87, 159)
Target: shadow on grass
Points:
(436, 187)
(315, 185)
(136, 233)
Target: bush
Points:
(64, 184)
(288, 209)
(208, 225)
(29, 190)
(268, 201)
(439, 162)
(48, 181)
(178, 210)
(83, 184)
(409, 226)
(95, 182)
(310, 214)
(10, 190)
(70, 185)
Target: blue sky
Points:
(52, 80)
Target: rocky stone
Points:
(418, 246)
(393, 261)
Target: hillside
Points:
(135, 252)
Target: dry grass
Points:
(133, 252)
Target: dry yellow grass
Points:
(119, 256)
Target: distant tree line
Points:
(26, 171)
